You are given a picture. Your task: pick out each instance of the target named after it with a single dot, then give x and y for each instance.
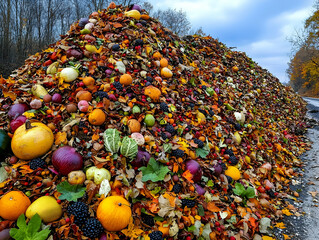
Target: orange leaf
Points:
(117, 25)
(252, 222)
(212, 207)
(170, 198)
(11, 95)
(26, 169)
(60, 138)
(175, 167)
(187, 175)
(95, 137)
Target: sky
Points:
(261, 28)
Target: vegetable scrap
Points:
(127, 131)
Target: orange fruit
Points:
(126, 79)
(166, 72)
(164, 62)
(233, 172)
(13, 204)
(88, 81)
(83, 95)
(134, 125)
(97, 117)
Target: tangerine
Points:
(97, 117)
(13, 204)
(163, 62)
(157, 55)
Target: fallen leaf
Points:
(212, 207)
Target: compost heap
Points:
(168, 101)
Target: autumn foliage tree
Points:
(304, 65)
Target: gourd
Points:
(31, 140)
(153, 92)
(114, 213)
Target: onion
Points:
(199, 189)
(35, 104)
(217, 170)
(103, 237)
(65, 160)
(5, 234)
(57, 98)
(78, 54)
(141, 159)
(69, 74)
(83, 21)
(89, 26)
(17, 110)
(136, 7)
(15, 123)
(195, 169)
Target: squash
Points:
(153, 92)
(47, 208)
(166, 72)
(31, 140)
(134, 125)
(133, 14)
(114, 213)
(126, 79)
(4, 144)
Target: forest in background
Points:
(303, 68)
(28, 26)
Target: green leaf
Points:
(154, 171)
(202, 152)
(21, 222)
(167, 147)
(70, 192)
(239, 189)
(200, 210)
(3, 174)
(34, 225)
(30, 231)
(210, 183)
(41, 235)
(250, 192)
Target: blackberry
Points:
(80, 211)
(101, 94)
(149, 79)
(169, 128)
(118, 86)
(211, 113)
(229, 152)
(177, 153)
(164, 107)
(229, 179)
(237, 127)
(199, 143)
(223, 165)
(188, 203)
(37, 163)
(177, 188)
(147, 219)
(92, 228)
(156, 235)
(233, 160)
(138, 42)
(164, 136)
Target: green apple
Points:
(149, 120)
(136, 109)
(98, 174)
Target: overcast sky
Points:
(260, 28)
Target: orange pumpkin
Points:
(153, 92)
(134, 125)
(126, 79)
(114, 213)
(166, 72)
(163, 62)
(88, 81)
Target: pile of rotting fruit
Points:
(123, 130)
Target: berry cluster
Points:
(37, 163)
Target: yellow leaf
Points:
(286, 212)
(280, 225)
(29, 115)
(132, 231)
(268, 238)
(286, 236)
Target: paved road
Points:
(306, 227)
